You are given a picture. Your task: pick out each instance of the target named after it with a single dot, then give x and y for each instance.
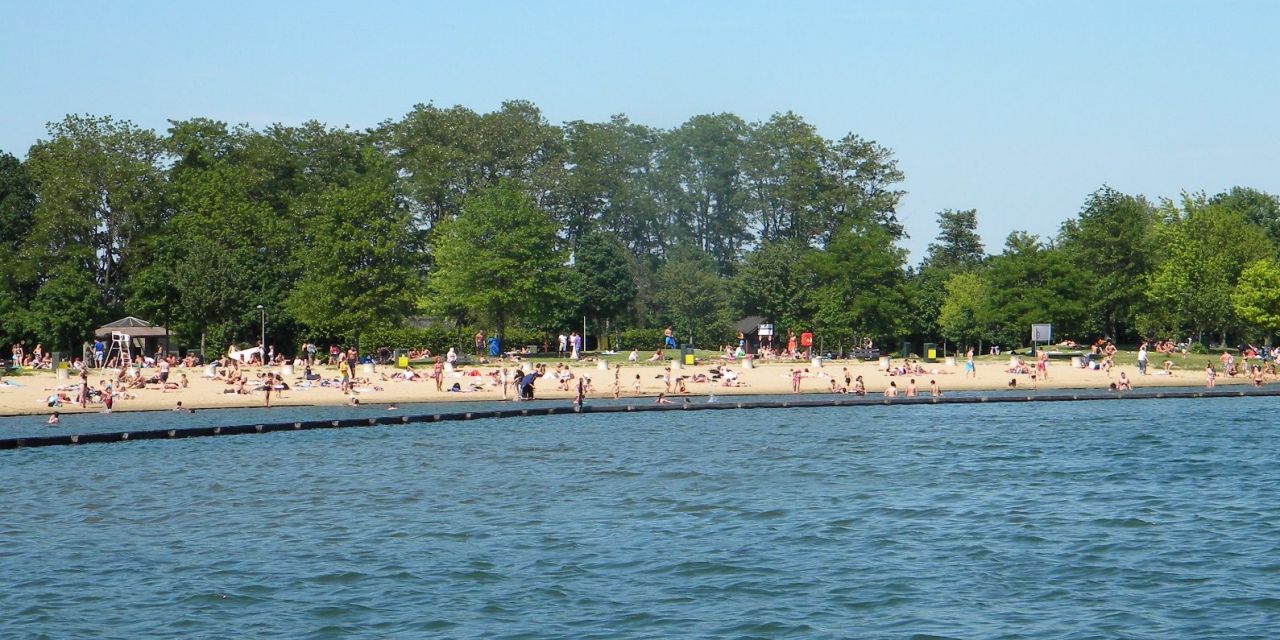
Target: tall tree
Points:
(700, 183)
(965, 316)
(692, 297)
(860, 284)
(775, 281)
(1111, 241)
(608, 183)
(362, 266)
(1259, 208)
(1206, 247)
(958, 247)
(496, 260)
(17, 277)
(1256, 299)
(1031, 282)
(100, 189)
(604, 285)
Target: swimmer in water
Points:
(53, 419)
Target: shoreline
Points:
(765, 379)
(456, 416)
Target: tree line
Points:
(506, 222)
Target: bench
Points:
(864, 354)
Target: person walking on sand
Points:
(437, 372)
(1142, 359)
(562, 344)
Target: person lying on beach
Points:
(657, 355)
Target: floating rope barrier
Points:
(868, 401)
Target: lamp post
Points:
(262, 346)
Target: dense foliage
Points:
(424, 229)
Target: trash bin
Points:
(686, 355)
(906, 349)
(930, 352)
(57, 359)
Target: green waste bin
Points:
(906, 350)
(930, 352)
(686, 355)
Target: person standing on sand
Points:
(1210, 376)
(1042, 364)
(1142, 359)
(84, 388)
(266, 391)
(562, 344)
(796, 376)
(437, 372)
(970, 371)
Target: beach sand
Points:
(771, 378)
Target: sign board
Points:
(766, 330)
(1042, 333)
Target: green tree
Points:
(860, 284)
(17, 277)
(958, 249)
(604, 285)
(958, 246)
(1256, 299)
(775, 281)
(1206, 246)
(1111, 242)
(362, 266)
(692, 297)
(497, 260)
(966, 313)
(1031, 282)
(1259, 208)
(700, 185)
(100, 189)
(608, 184)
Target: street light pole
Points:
(262, 346)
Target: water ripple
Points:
(996, 521)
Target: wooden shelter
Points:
(144, 337)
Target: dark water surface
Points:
(1151, 519)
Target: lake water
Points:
(1150, 519)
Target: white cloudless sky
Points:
(1016, 109)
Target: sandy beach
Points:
(28, 394)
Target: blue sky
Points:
(1017, 109)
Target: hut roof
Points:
(135, 327)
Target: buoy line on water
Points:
(720, 405)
